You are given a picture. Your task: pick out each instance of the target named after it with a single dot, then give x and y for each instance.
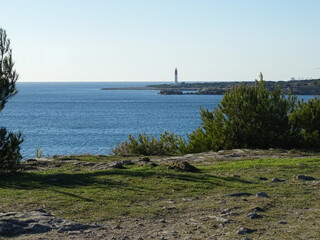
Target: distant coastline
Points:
(296, 87)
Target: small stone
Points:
(240, 194)
(257, 209)
(220, 219)
(282, 222)
(88, 164)
(227, 210)
(304, 177)
(254, 215)
(244, 230)
(274, 180)
(263, 178)
(127, 162)
(118, 227)
(262, 194)
(187, 199)
(73, 232)
(117, 165)
(144, 159)
(182, 166)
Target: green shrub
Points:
(167, 144)
(10, 150)
(305, 122)
(247, 117)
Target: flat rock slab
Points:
(18, 223)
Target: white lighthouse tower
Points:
(176, 77)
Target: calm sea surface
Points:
(76, 118)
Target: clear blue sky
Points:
(144, 40)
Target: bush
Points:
(305, 122)
(168, 144)
(10, 150)
(247, 117)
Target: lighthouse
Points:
(175, 77)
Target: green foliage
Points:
(9, 142)
(9, 150)
(167, 144)
(305, 122)
(247, 117)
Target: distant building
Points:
(293, 79)
(175, 77)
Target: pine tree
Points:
(9, 142)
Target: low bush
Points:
(167, 144)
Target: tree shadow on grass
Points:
(99, 179)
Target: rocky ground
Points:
(236, 215)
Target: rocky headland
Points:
(297, 87)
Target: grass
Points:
(144, 191)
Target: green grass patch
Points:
(140, 191)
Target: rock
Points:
(240, 194)
(254, 215)
(222, 202)
(304, 177)
(33, 222)
(263, 178)
(117, 165)
(153, 164)
(144, 159)
(90, 164)
(187, 200)
(262, 194)
(117, 227)
(220, 219)
(171, 92)
(74, 232)
(227, 210)
(257, 209)
(127, 162)
(282, 222)
(274, 180)
(244, 230)
(182, 166)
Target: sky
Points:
(145, 40)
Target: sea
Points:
(65, 118)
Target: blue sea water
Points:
(77, 118)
